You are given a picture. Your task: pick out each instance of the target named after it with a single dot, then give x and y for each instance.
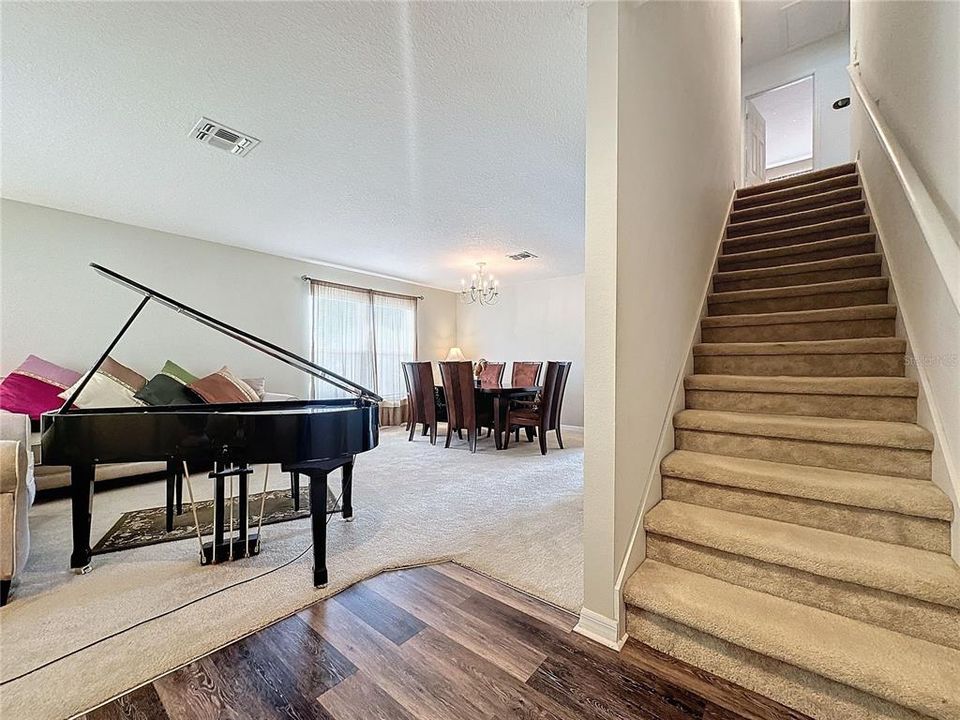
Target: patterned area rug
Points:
(139, 528)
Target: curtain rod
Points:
(342, 286)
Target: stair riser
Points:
(848, 365)
(784, 222)
(854, 407)
(795, 193)
(891, 527)
(807, 692)
(798, 278)
(795, 237)
(920, 619)
(898, 462)
(729, 263)
(820, 301)
(812, 202)
(797, 181)
(839, 330)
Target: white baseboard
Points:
(601, 629)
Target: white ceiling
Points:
(788, 113)
(771, 28)
(405, 139)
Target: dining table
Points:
(500, 395)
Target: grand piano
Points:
(310, 437)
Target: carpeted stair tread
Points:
(817, 266)
(806, 178)
(813, 429)
(854, 386)
(838, 286)
(854, 346)
(856, 312)
(770, 256)
(901, 669)
(795, 218)
(785, 207)
(898, 569)
(835, 228)
(770, 197)
(918, 498)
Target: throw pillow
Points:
(224, 387)
(169, 387)
(259, 385)
(35, 387)
(112, 385)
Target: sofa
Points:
(17, 490)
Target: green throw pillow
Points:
(169, 387)
(178, 373)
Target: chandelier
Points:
(483, 288)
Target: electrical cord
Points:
(165, 613)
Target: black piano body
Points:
(311, 437)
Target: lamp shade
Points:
(455, 355)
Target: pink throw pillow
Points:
(35, 386)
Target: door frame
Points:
(815, 140)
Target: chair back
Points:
(525, 374)
(551, 396)
(492, 373)
(419, 376)
(458, 388)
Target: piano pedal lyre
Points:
(226, 544)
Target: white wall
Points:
(663, 158)
(53, 305)
(909, 58)
(910, 62)
(827, 61)
(537, 320)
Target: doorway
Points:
(779, 126)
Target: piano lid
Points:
(268, 348)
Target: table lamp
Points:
(455, 355)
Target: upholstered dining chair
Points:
(423, 406)
(543, 413)
(492, 373)
(525, 374)
(462, 412)
(406, 380)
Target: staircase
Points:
(800, 548)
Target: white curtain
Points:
(395, 335)
(364, 336)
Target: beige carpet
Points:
(514, 515)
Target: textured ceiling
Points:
(405, 139)
(771, 28)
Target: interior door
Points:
(755, 147)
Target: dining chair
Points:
(492, 373)
(525, 374)
(424, 403)
(543, 413)
(406, 380)
(462, 412)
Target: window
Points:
(363, 335)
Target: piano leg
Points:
(220, 551)
(318, 524)
(295, 489)
(171, 492)
(243, 532)
(81, 490)
(346, 502)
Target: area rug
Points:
(139, 528)
(514, 515)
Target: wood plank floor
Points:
(435, 643)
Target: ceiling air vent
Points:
(210, 132)
(522, 255)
